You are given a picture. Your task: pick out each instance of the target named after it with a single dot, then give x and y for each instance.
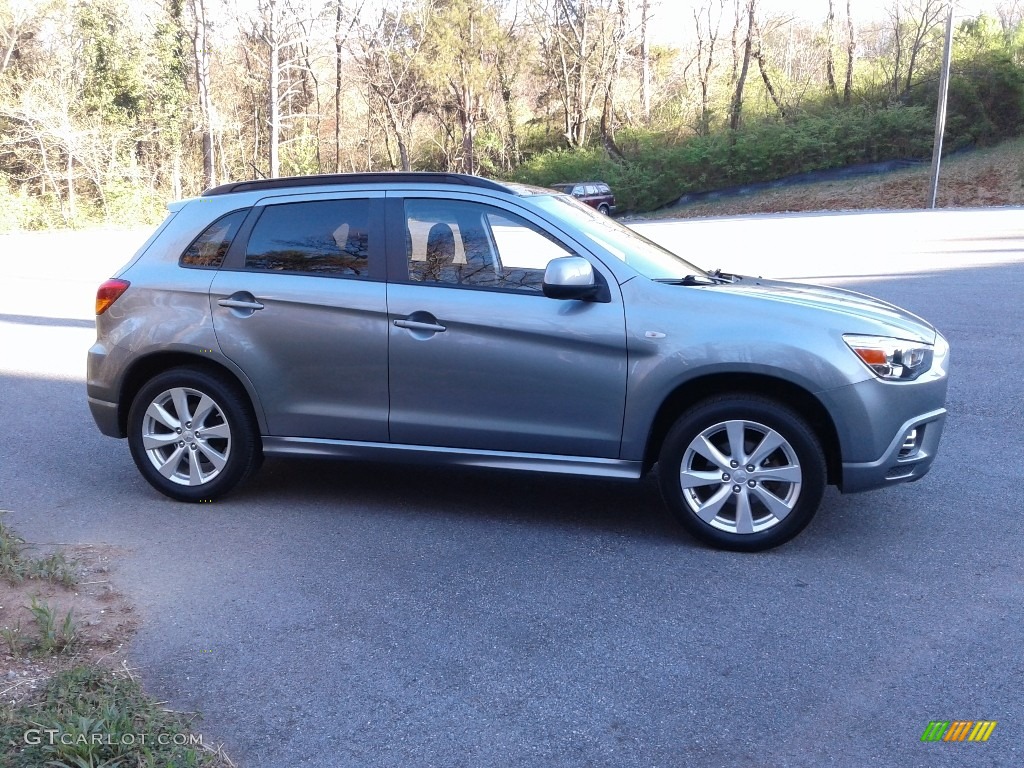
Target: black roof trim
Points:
(384, 177)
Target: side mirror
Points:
(571, 277)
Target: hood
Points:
(898, 322)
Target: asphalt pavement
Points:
(350, 614)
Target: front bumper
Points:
(908, 457)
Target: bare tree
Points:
(851, 48)
(707, 20)
(736, 105)
(1011, 15)
(620, 29)
(763, 69)
(15, 20)
(577, 40)
(201, 48)
(508, 64)
(387, 48)
(911, 25)
(830, 42)
(645, 60)
(345, 21)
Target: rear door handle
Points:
(237, 304)
(414, 325)
(241, 300)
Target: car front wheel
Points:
(742, 472)
(192, 434)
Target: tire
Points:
(603, 208)
(714, 467)
(186, 459)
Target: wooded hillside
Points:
(108, 108)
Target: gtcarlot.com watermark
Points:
(54, 736)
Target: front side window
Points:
(466, 244)
(208, 250)
(322, 237)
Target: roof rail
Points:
(385, 177)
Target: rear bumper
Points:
(105, 363)
(105, 416)
(908, 457)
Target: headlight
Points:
(891, 359)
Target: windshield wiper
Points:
(712, 278)
(723, 277)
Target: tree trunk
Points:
(337, 88)
(737, 18)
(851, 47)
(201, 50)
(645, 62)
(70, 180)
(468, 140)
(768, 83)
(608, 109)
(505, 83)
(830, 64)
(736, 107)
(398, 129)
(176, 191)
(274, 105)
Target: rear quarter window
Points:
(208, 250)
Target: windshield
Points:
(646, 257)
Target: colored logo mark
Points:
(958, 730)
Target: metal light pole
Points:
(940, 115)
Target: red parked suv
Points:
(596, 194)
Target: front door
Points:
(479, 357)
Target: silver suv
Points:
(455, 320)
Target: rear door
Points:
(300, 307)
(479, 357)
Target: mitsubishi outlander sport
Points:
(456, 320)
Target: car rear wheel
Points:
(603, 208)
(192, 434)
(742, 472)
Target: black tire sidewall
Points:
(245, 448)
(793, 428)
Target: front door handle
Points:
(415, 325)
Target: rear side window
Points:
(323, 237)
(209, 248)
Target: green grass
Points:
(86, 715)
(54, 636)
(89, 717)
(16, 566)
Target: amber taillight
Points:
(108, 293)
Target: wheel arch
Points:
(691, 392)
(145, 368)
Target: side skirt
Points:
(426, 454)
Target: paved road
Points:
(366, 615)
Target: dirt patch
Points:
(102, 619)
